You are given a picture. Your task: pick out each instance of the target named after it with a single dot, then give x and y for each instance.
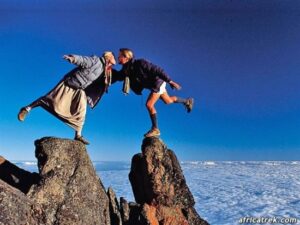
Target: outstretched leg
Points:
(25, 110)
(188, 103)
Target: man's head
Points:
(109, 58)
(125, 55)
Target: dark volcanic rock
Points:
(124, 210)
(16, 208)
(67, 192)
(70, 191)
(115, 216)
(159, 186)
(132, 213)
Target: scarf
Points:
(107, 77)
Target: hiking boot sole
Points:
(152, 133)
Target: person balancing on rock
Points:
(141, 74)
(84, 84)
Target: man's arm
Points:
(157, 71)
(174, 85)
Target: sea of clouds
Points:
(224, 192)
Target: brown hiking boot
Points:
(189, 104)
(22, 114)
(81, 139)
(153, 132)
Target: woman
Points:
(143, 74)
(84, 84)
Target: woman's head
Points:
(109, 57)
(125, 55)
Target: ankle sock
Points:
(181, 100)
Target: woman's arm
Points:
(83, 61)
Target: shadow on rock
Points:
(17, 177)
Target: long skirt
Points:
(67, 104)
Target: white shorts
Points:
(162, 88)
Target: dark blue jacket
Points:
(144, 74)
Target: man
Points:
(84, 84)
(143, 74)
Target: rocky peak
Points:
(68, 191)
(159, 186)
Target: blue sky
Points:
(238, 59)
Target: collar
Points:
(128, 64)
(102, 59)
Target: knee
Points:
(149, 106)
